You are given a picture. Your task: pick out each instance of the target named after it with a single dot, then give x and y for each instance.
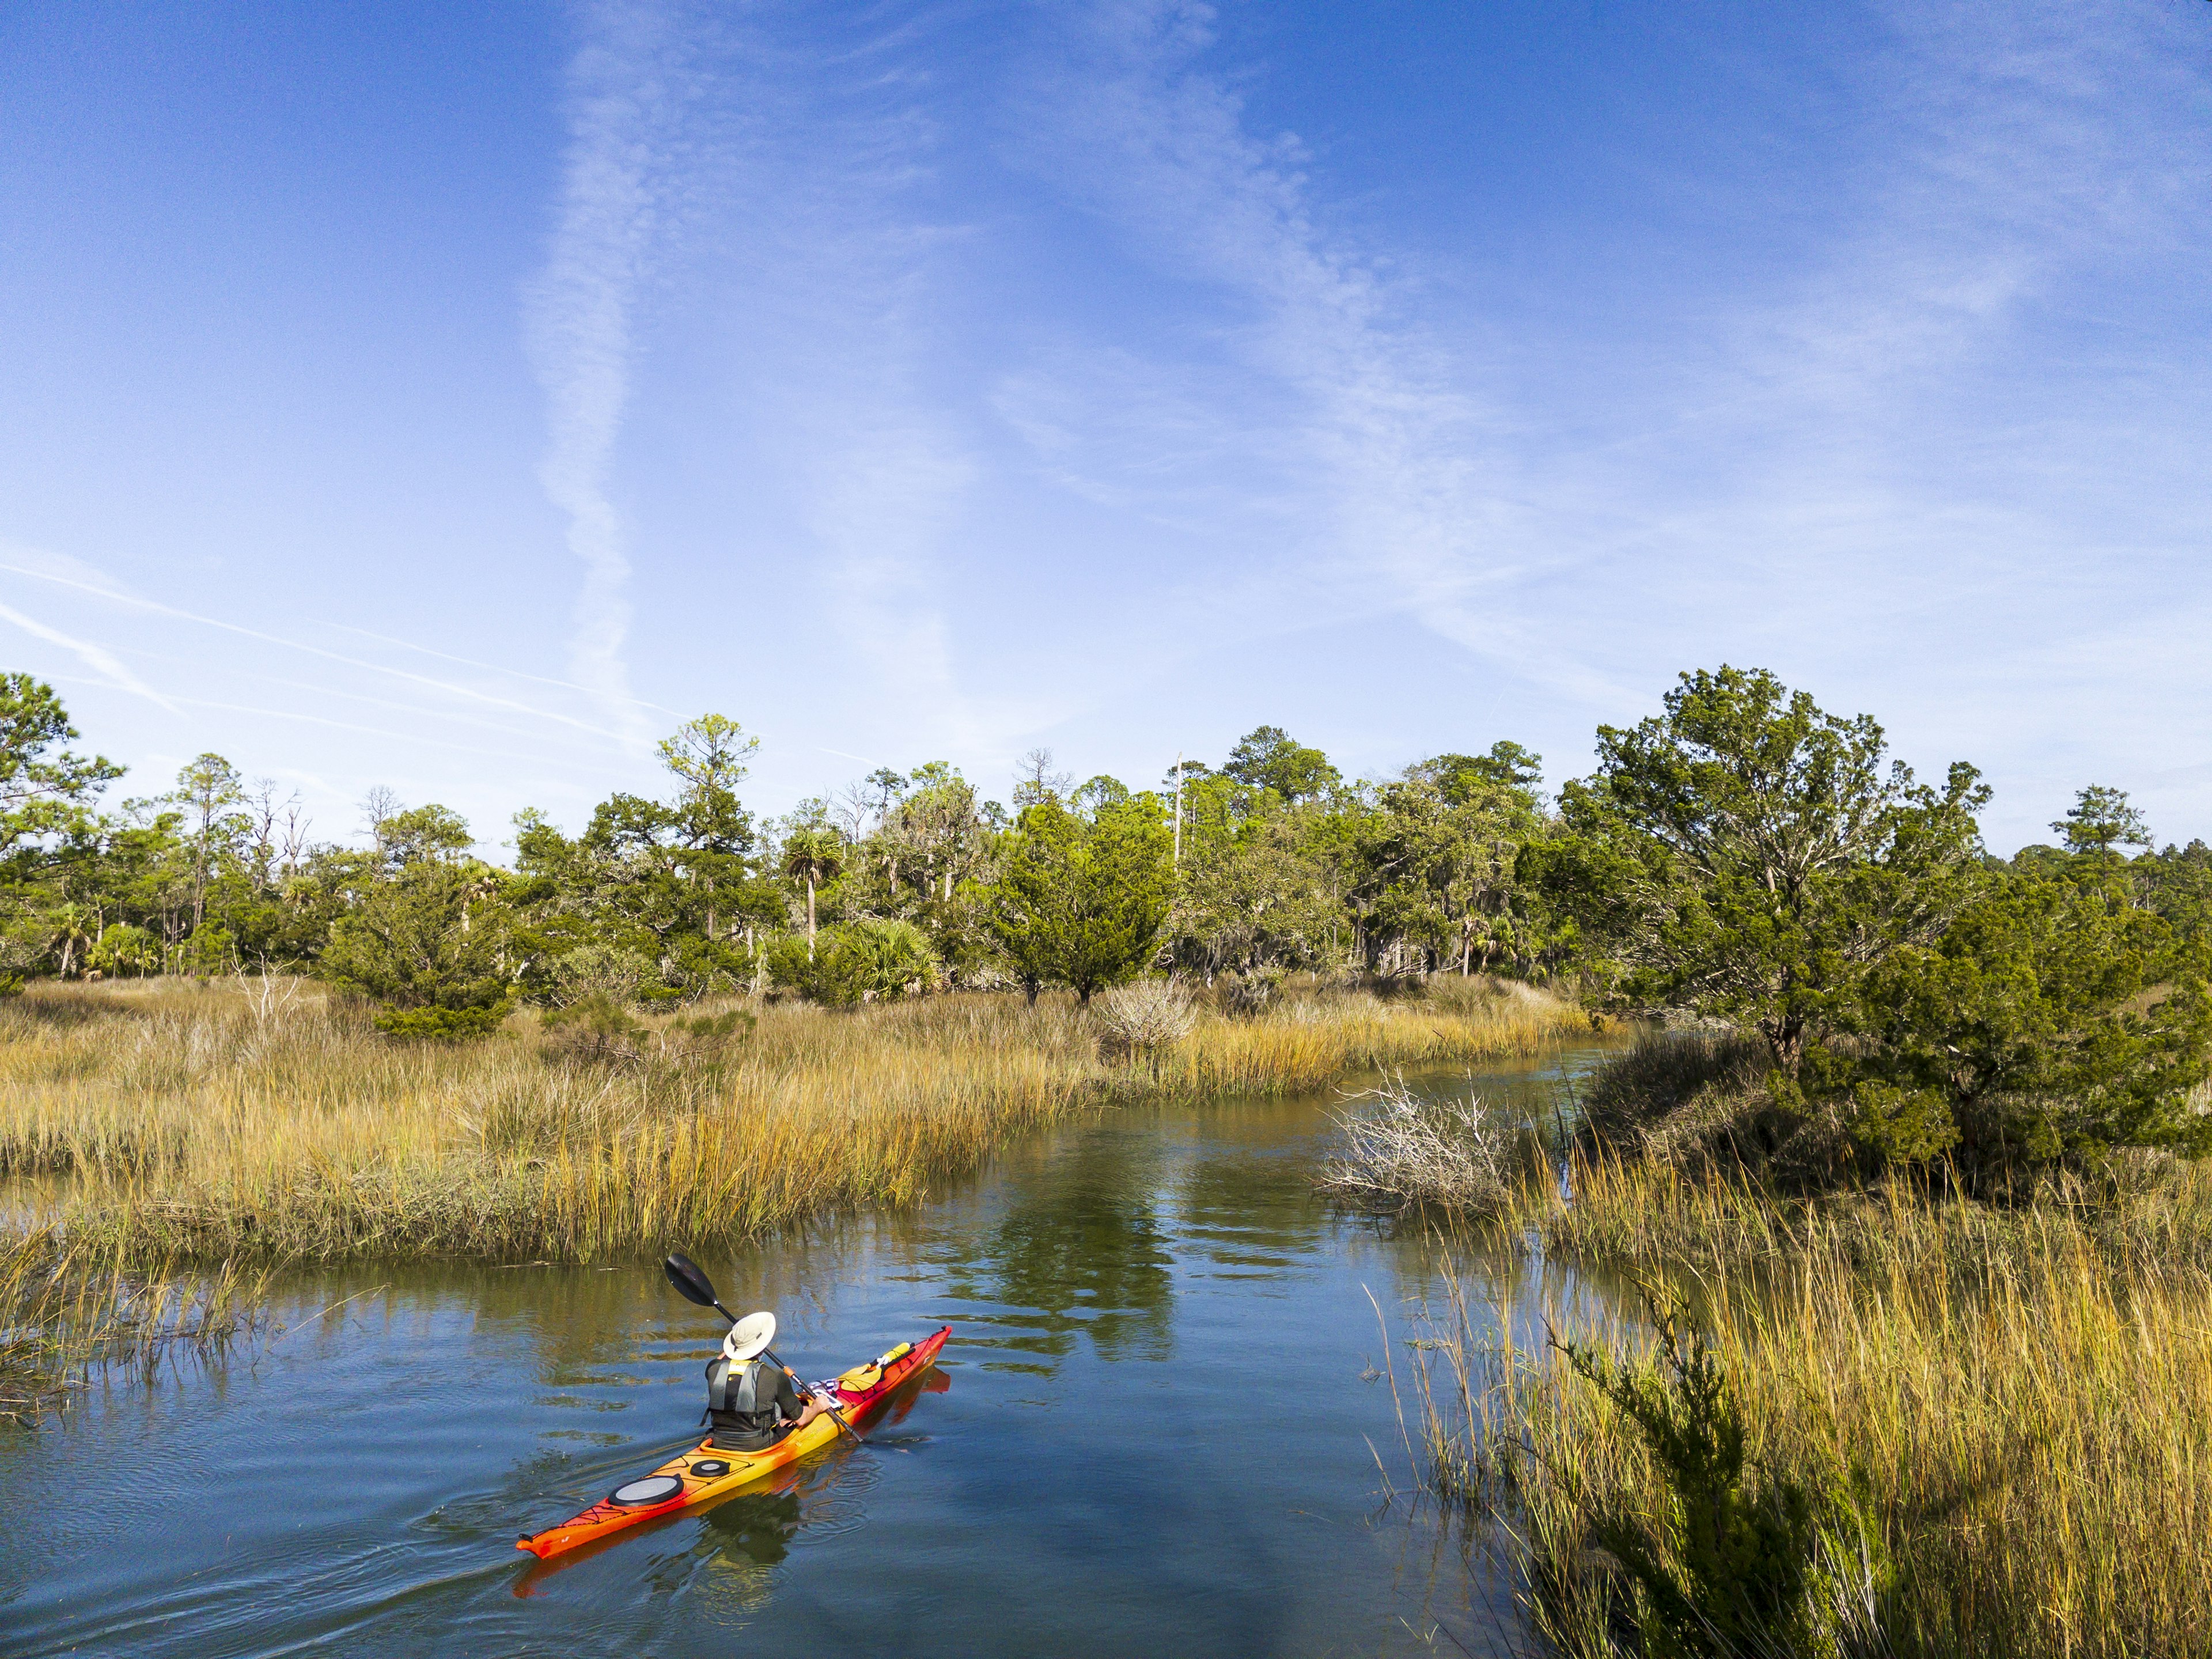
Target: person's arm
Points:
(796, 1410)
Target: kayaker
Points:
(752, 1404)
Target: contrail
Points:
(97, 657)
(489, 667)
(412, 739)
(447, 686)
(625, 101)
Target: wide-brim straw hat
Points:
(749, 1337)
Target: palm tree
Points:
(815, 857)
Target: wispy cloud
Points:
(1828, 464)
(413, 738)
(100, 588)
(1381, 440)
(628, 87)
(489, 667)
(100, 660)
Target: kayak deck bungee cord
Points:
(708, 1471)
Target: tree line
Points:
(905, 883)
(1743, 858)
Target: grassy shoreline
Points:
(167, 1122)
(1999, 1416)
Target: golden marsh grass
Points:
(223, 1121)
(2006, 1417)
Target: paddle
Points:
(693, 1285)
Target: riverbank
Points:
(166, 1121)
(1964, 1428)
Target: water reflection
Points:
(756, 1526)
(1081, 1250)
(1250, 1215)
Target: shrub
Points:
(2053, 1021)
(710, 1035)
(1406, 1149)
(598, 1031)
(866, 961)
(595, 970)
(594, 1029)
(1719, 1568)
(209, 950)
(1706, 1100)
(1144, 1019)
(440, 1024)
(1250, 993)
(435, 936)
(124, 950)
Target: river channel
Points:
(1158, 1428)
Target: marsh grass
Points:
(66, 1315)
(168, 1121)
(2006, 1417)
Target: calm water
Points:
(1155, 1431)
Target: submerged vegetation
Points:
(72, 1309)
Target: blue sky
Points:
(456, 398)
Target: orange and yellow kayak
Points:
(708, 1471)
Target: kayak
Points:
(707, 1471)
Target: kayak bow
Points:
(708, 1471)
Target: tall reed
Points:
(168, 1121)
(66, 1311)
(2008, 1420)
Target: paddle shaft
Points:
(837, 1415)
(834, 1413)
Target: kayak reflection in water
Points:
(757, 1525)
(752, 1404)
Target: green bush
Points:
(125, 951)
(1891, 1126)
(594, 1029)
(210, 949)
(1723, 1567)
(434, 937)
(856, 961)
(2054, 1020)
(440, 1024)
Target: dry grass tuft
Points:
(1404, 1151)
(1142, 1020)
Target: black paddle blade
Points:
(690, 1283)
